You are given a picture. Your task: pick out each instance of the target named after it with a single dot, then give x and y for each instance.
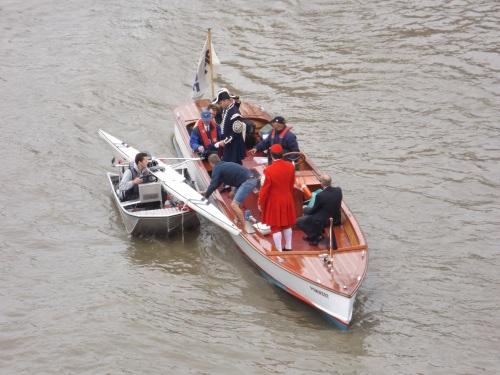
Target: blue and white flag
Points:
(202, 80)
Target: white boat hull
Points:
(336, 308)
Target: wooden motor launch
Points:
(327, 279)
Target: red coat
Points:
(275, 196)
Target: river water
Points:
(397, 100)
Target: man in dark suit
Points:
(326, 205)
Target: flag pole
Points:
(211, 68)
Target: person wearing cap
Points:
(276, 199)
(281, 135)
(206, 135)
(234, 175)
(234, 147)
(326, 205)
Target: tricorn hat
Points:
(222, 94)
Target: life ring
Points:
(303, 187)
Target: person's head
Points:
(213, 159)
(214, 109)
(325, 180)
(276, 151)
(206, 116)
(278, 123)
(141, 160)
(223, 99)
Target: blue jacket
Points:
(228, 173)
(288, 142)
(196, 140)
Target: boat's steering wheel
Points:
(301, 157)
(149, 178)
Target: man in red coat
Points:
(276, 199)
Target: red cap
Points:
(276, 148)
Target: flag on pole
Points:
(202, 80)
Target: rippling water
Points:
(398, 101)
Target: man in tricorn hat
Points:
(234, 147)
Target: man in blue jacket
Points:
(231, 174)
(206, 135)
(281, 135)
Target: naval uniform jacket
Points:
(235, 150)
(275, 195)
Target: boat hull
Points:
(161, 221)
(336, 308)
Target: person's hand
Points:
(260, 208)
(200, 149)
(253, 151)
(137, 181)
(202, 192)
(222, 143)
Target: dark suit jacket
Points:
(326, 206)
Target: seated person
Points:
(132, 177)
(282, 135)
(206, 135)
(316, 218)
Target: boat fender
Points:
(304, 188)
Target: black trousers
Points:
(313, 229)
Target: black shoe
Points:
(225, 188)
(313, 237)
(287, 249)
(316, 240)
